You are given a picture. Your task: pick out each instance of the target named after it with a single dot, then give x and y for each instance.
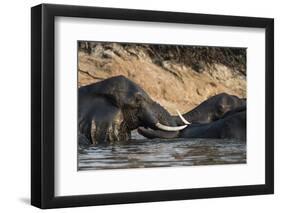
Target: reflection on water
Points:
(162, 153)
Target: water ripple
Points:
(162, 153)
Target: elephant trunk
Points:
(149, 133)
(160, 119)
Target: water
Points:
(146, 153)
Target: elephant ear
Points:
(96, 119)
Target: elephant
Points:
(231, 125)
(210, 119)
(211, 109)
(110, 109)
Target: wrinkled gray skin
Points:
(232, 125)
(212, 109)
(110, 109)
(221, 116)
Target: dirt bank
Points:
(172, 83)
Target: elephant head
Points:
(212, 109)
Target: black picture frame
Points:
(43, 102)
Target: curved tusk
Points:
(183, 119)
(170, 128)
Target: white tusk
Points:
(170, 128)
(183, 119)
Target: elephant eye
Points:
(138, 96)
(221, 108)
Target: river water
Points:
(146, 153)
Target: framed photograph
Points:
(139, 106)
